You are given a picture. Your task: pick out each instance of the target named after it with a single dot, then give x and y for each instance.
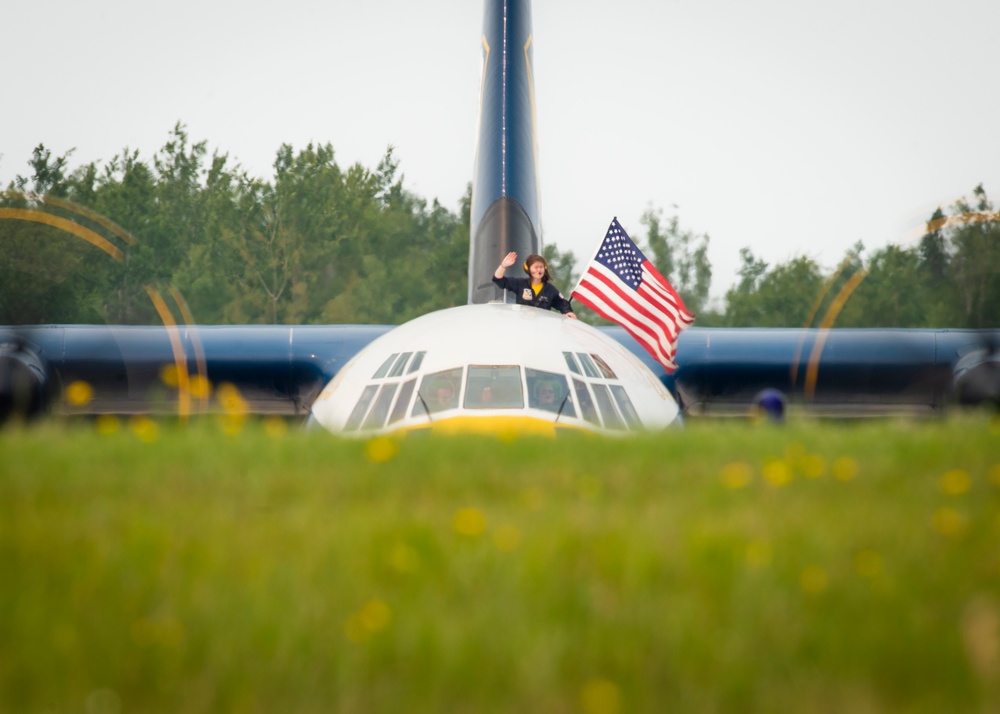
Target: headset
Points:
(548, 275)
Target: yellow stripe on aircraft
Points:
(501, 426)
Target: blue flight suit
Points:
(548, 298)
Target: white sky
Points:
(785, 126)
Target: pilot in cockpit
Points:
(442, 396)
(548, 395)
(537, 289)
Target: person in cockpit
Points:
(442, 396)
(535, 290)
(545, 395)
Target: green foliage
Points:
(562, 266)
(890, 295)
(774, 298)
(975, 260)
(317, 244)
(681, 256)
(950, 278)
(322, 243)
(724, 567)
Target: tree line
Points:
(321, 243)
(949, 278)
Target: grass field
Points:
(726, 567)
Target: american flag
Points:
(621, 285)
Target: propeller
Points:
(976, 379)
(25, 384)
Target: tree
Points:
(44, 275)
(780, 297)
(125, 192)
(933, 251)
(751, 271)
(681, 256)
(891, 294)
(322, 243)
(48, 174)
(975, 260)
(562, 267)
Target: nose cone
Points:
(497, 363)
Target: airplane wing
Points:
(128, 369)
(281, 369)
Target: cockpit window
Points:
(571, 362)
(494, 387)
(402, 402)
(588, 366)
(438, 392)
(418, 359)
(549, 391)
(604, 367)
(625, 406)
(361, 408)
(603, 397)
(376, 417)
(383, 370)
(397, 369)
(585, 402)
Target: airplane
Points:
(490, 365)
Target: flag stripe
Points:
(654, 340)
(619, 311)
(680, 317)
(638, 300)
(636, 327)
(660, 285)
(651, 345)
(658, 304)
(667, 294)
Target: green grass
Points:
(723, 567)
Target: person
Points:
(442, 397)
(545, 393)
(535, 290)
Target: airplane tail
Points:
(505, 201)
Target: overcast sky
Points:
(785, 126)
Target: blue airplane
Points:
(491, 365)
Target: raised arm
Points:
(508, 260)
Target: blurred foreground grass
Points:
(723, 567)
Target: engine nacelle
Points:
(977, 378)
(25, 385)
